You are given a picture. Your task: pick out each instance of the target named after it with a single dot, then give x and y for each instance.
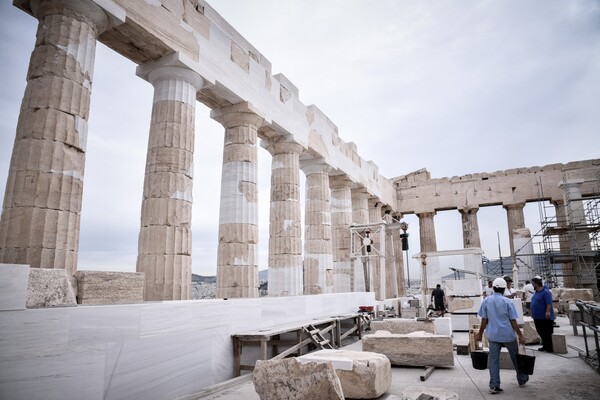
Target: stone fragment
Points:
(463, 304)
(416, 393)
(49, 287)
(529, 331)
(418, 349)
(290, 379)
(572, 294)
(362, 374)
(107, 287)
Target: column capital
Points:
(360, 193)
(282, 145)
(240, 114)
(340, 182)
(174, 72)
(468, 210)
(514, 206)
(315, 166)
(426, 214)
(81, 10)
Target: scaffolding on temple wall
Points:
(570, 243)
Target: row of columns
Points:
(40, 219)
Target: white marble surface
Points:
(463, 287)
(13, 286)
(443, 326)
(460, 322)
(159, 350)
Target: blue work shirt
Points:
(539, 302)
(498, 310)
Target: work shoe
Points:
(495, 390)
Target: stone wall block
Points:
(49, 288)
(292, 380)
(463, 287)
(403, 326)
(107, 287)
(463, 304)
(417, 349)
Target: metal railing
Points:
(590, 319)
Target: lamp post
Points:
(404, 240)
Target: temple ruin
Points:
(351, 253)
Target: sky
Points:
(451, 86)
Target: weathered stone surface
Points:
(49, 288)
(572, 294)
(402, 326)
(290, 379)
(463, 304)
(463, 287)
(106, 287)
(363, 375)
(559, 343)
(434, 393)
(529, 331)
(414, 349)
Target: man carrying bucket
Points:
(499, 320)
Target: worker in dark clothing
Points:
(438, 298)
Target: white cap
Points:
(537, 277)
(499, 283)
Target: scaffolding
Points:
(570, 241)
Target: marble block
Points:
(442, 326)
(402, 325)
(559, 343)
(13, 286)
(464, 304)
(529, 331)
(463, 287)
(519, 307)
(460, 322)
(293, 380)
(363, 375)
(108, 287)
(49, 287)
(572, 294)
(418, 349)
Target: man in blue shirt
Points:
(499, 320)
(542, 313)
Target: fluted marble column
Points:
(285, 229)
(341, 219)
(318, 254)
(399, 261)
(363, 267)
(470, 227)
(516, 220)
(563, 240)
(427, 232)
(380, 277)
(42, 205)
(237, 256)
(165, 242)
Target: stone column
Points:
(399, 261)
(579, 238)
(516, 220)
(341, 219)
(427, 232)
(318, 254)
(363, 266)
(380, 277)
(40, 218)
(237, 256)
(285, 230)
(165, 242)
(563, 240)
(470, 227)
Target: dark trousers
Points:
(545, 328)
